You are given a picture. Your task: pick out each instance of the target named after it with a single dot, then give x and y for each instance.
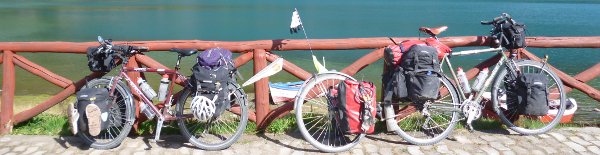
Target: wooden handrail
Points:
(292, 44)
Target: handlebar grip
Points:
(122, 48)
(486, 22)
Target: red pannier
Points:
(395, 51)
(356, 106)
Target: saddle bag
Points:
(212, 75)
(421, 70)
(99, 61)
(356, 106)
(515, 33)
(529, 94)
(99, 97)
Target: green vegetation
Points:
(283, 125)
(43, 124)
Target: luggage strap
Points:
(365, 96)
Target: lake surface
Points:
(72, 20)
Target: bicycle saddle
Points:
(433, 31)
(184, 51)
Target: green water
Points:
(71, 20)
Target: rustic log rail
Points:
(259, 52)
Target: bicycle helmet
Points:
(202, 107)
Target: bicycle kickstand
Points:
(159, 125)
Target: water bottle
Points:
(146, 110)
(146, 89)
(462, 79)
(162, 88)
(478, 83)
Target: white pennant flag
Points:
(271, 69)
(296, 24)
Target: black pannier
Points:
(397, 82)
(515, 33)
(528, 94)
(421, 71)
(99, 61)
(212, 75)
(99, 97)
(394, 75)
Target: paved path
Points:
(560, 141)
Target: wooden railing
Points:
(259, 51)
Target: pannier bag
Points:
(421, 71)
(99, 61)
(356, 106)
(211, 76)
(515, 33)
(403, 75)
(529, 94)
(99, 97)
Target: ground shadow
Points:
(294, 134)
(375, 137)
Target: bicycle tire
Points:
(503, 111)
(331, 79)
(216, 139)
(408, 127)
(106, 140)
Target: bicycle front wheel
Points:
(430, 122)
(214, 133)
(121, 116)
(314, 114)
(508, 113)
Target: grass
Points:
(43, 124)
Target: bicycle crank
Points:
(472, 111)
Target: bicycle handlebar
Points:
(499, 19)
(127, 48)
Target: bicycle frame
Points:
(174, 74)
(474, 98)
(490, 77)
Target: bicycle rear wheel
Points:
(529, 125)
(121, 116)
(314, 115)
(213, 134)
(429, 123)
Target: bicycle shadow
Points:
(294, 134)
(384, 137)
(167, 142)
(71, 141)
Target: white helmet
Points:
(202, 107)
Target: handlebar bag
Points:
(99, 61)
(515, 33)
(355, 106)
(211, 75)
(98, 96)
(421, 70)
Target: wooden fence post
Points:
(8, 92)
(261, 89)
